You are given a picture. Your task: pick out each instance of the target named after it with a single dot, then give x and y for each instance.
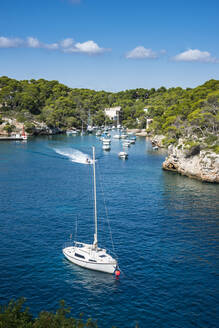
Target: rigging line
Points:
(76, 228)
(106, 211)
(90, 193)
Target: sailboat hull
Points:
(96, 266)
(90, 256)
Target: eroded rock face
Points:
(40, 128)
(203, 165)
(157, 140)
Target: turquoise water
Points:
(164, 228)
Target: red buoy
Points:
(117, 273)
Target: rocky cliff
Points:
(194, 163)
(38, 128)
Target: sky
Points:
(111, 45)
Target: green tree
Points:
(9, 128)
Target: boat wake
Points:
(74, 155)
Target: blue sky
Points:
(111, 45)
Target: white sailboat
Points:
(91, 256)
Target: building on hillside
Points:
(114, 113)
(148, 122)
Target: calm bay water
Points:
(164, 229)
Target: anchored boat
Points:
(91, 256)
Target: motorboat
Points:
(123, 155)
(106, 146)
(132, 141)
(126, 143)
(71, 132)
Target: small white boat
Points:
(123, 155)
(90, 129)
(117, 136)
(132, 141)
(126, 143)
(98, 133)
(71, 132)
(106, 140)
(16, 137)
(106, 146)
(155, 147)
(91, 256)
(123, 136)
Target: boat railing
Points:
(68, 244)
(113, 254)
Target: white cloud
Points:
(33, 43)
(163, 51)
(51, 46)
(88, 47)
(195, 55)
(66, 45)
(10, 43)
(141, 53)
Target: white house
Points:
(113, 113)
(148, 122)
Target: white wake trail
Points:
(74, 155)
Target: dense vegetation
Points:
(176, 112)
(14, 315)
(192, 114)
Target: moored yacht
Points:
(91, 256)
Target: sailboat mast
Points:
(95, 200)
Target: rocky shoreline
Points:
(202, 164)
(39, 128)
(196, 163)
(138, 132)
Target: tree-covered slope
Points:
(176, 112)
(190, 113)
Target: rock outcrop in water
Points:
(194, 163)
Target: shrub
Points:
(168, 141)
(9, 128)
(215, 149)
(29, 127)
(211, 139)
(194, 150)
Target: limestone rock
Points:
(158, 140)
(203, 165)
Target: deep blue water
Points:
(164, 229)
